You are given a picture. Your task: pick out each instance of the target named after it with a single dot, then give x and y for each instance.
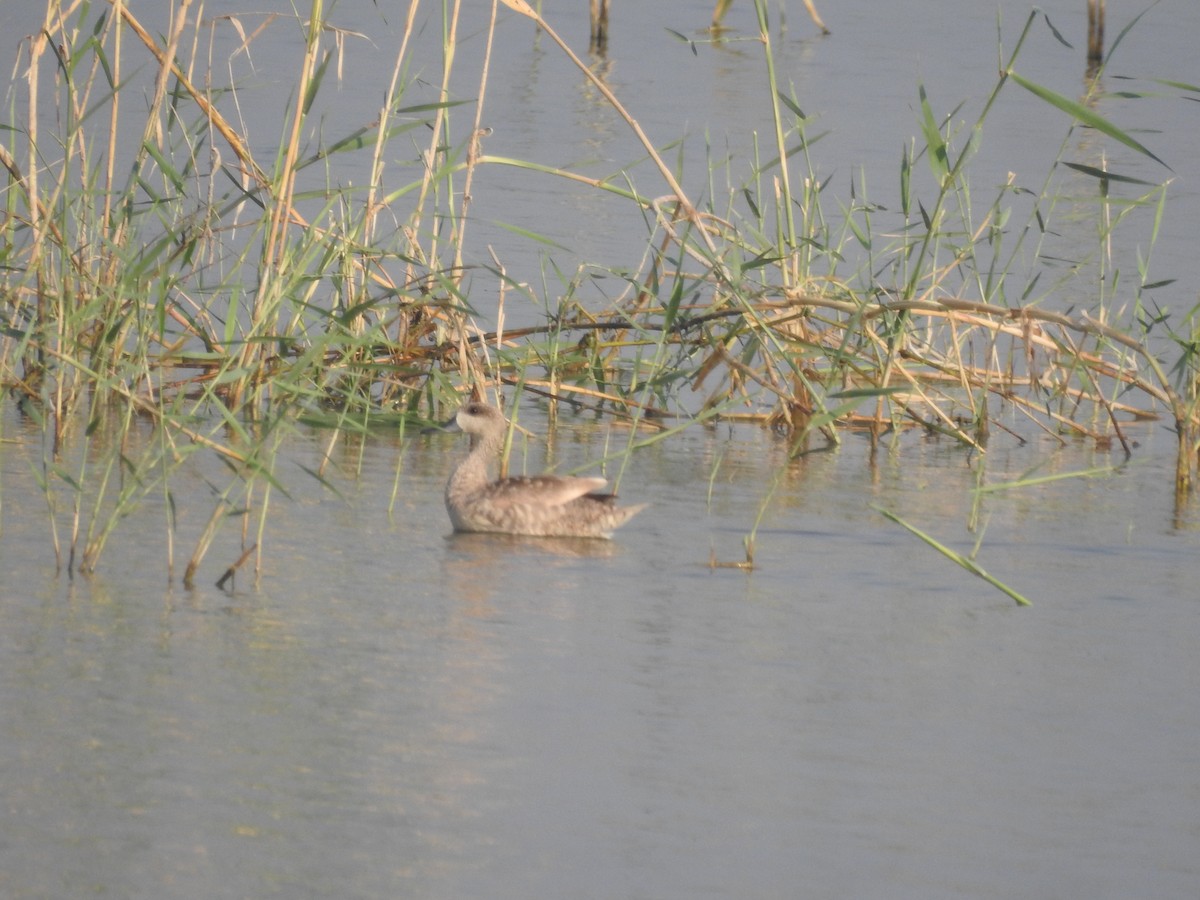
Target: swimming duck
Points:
(541, 506)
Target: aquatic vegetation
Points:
(190, 291)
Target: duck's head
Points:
(475, 418)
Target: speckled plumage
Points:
(541, 506)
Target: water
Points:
(391, 711)
(394, 711)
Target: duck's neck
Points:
(472, 472)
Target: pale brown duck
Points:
(540, 506)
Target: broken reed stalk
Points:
(229, 573)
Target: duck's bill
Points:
(449, 425)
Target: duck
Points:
(537, 506)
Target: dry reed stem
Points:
(385, 112)
(678, 194)
(459, 226)
(210, 112)
(205, 541)
(1028, 326)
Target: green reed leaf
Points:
(1057, 34)
(954, 556)
(1085, 115)
(1107, 176)
(791, 105)
(938, 156)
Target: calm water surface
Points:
(394, 712)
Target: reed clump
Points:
(208, 296)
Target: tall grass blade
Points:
(969, 564)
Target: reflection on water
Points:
(489, 550)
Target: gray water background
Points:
(392, 711)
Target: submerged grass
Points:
(180, 286)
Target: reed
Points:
(179, 295)
(208, 296)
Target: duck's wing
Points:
(541, 490)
